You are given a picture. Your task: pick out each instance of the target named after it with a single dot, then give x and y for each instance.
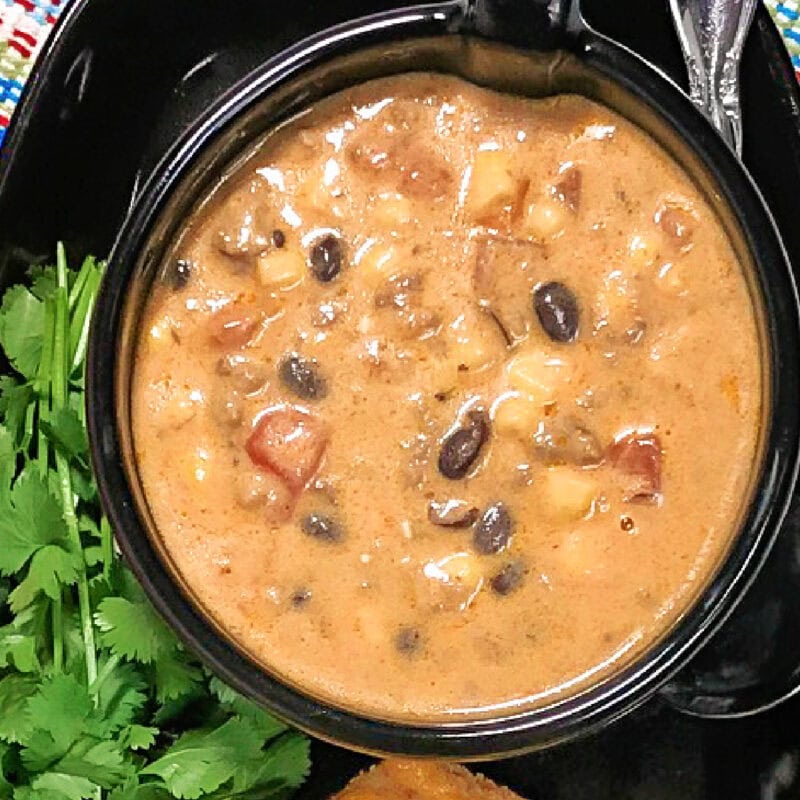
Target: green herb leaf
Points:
(52, 568)
(121, 697)
(58, 786)
(175, 678)
(16, 404)
(6, 789)
(8, 456)
(139, 737)
(66, 433)
(133, 630)
(101, 762)
(98, 699)
(21, 321)
(15, 690)
(267, 726)
(59, 709)
(133, 790)
(283, 766)
(43, 281)
(30, 518)
(20, 639)
(200, 762)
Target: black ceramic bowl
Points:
(518, 46)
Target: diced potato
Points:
(516, 415)
(377, 263)
(392, 210)
(584, 552)
(491, 184)
(544, 219)
(642, 250)
(464, 568)
(173, 405)
(454, 581)
(567, 493)
(538, 375)
(281, 270)
(314, 192)
(474, 343)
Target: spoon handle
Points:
(712, 35)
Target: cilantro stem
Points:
(78, 284)
(44, 392)
(43, 387)
(107, 669)
(60, 390)
(82, 313)
(107, 546)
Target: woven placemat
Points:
(26, 24)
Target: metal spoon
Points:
(712, 35)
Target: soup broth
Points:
(447, 401)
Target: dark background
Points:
(122, 80)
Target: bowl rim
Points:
(474, 738)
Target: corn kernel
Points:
(642, 250)
(392, 210)
(516, 415)
(545, 219)
(568, 493)
(538, 375)
(376, 262)
(491, 184)
(281, 270)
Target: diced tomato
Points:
(233, 326)
(290, 442)
(638, 456)
(570, 187)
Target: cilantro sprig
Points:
(98, 699)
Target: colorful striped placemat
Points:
(787, 18)
(25, 25)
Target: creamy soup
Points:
(448, 401)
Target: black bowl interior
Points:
(190, 174)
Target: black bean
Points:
(508, 579)
(278, 238)
(301, 597)
(493, 530)
(302, 376)
(326, 258)
(461, 448)
(408, 640)
(452, 514)
(321, 527)
(178, 273)
(557, 309)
